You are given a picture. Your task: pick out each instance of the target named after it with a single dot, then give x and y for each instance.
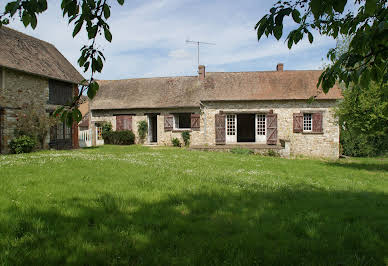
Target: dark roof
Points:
(217, 86)
(25, 53)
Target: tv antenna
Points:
(198, 43)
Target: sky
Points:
(149, 38)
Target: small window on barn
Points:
(60, 93)
(182, 121)
(307, 122)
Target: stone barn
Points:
(34, 71)
(260, 110)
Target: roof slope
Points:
(25, 53)
(217, 86)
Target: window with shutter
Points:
(60, 93)
(307, 122)
(182, 121)
(195, 121)
(123, 122)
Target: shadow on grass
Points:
(370, 166)
(295, 226)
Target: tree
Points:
(93, 14)
(366, 59)
(363, 120)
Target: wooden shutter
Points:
(195, 121)
(317, 122)
(272, 129)
(168, 122)
(298, 122)
(220, 129)
(123, 122)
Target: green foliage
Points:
(124, 137)
(363, 119)
(32, 120)
(176, 142)
(89, 14)
(272, 153)
(22, 144)
(106, 127)
(142, 129)
(186, 138)
(366, 58)
(242, 151)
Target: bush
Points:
(22, 144)
(176, 142)
(142, 129)
(361, 145)
(273, 153)
(106, 127)
(243, 151)
(186, 138)
(125, 137)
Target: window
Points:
(61, 131)
(261, 124)
(182, 121)
(307, 122)
(60, 92)
(99, 133)
(231, 125)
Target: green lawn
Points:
(162, 206)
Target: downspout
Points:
(202, 108)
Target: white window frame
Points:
(262, 138)
(307, 122)
(176, 122)
(230, 132)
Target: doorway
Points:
(246, 128)
(153, 128)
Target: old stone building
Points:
(33, 71)
(261, 110)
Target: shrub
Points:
(186, 138)
(125, 137)
(22, 144)
(273, 153)
(33, 121)
(176, 142)
(243, 151)
(106, 127)
(142, 129)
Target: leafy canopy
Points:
(91, 14)
(366, 58)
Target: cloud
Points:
(149, 38)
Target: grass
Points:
(164, 206)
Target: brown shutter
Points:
(220, 128)
(123, 122)
(298, 122)
(272, 129)
(317, 122)
(195, 121)
(168, 122)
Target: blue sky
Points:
(149, 38)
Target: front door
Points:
(246, 128)
(231, 128)
(261, 128)
(152, 128)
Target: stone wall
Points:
(18, 89)
(318, 145)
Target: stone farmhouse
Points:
(34, 71)
(260, 110)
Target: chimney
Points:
(279, 67)
(201, 72)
